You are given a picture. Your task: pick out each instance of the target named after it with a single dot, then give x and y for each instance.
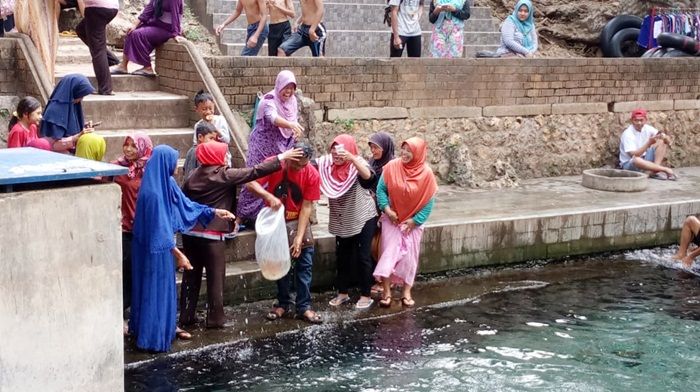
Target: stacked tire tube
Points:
(619, 37)
(674, 45)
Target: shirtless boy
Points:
(311, 31)
(256, 14)
(280, 28)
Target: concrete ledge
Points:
(686, 104)
(445, 112)
(367, 113)
(579, 108)
(625, 107)
(517, 110)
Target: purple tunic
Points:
(266, 141)
(153, 31)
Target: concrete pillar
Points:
(60, 290)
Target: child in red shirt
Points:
(24, 123)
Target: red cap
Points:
(639, 113)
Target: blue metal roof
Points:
(30, 165)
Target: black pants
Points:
(126, 268)
(209, 254)
(412, 44)
(92, 31)
(354, 260)
(279, 32)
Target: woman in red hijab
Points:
(406, 195)
(213, 183)
(346, 179)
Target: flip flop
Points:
(117, 71)
(672, 177)
(361, 305)
(408, 302)
(660, 176)
(142, 72)
(313, 318)
(182, 334)
(274, 314)
(385, 302)
(337, 301)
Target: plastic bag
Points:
(271, 248)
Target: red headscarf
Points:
(410, 185)
(338, 179)
(639, 113)
(212, 153)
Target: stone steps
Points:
(177, 138)
(119, 82)
(138, 110)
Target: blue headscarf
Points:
(161, 207)
(62, 117)
(528, 25)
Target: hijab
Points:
(144, 149)
(161, 207)
(410, 185)
(338, 179)
(383, 140)
(62, 117)
(212, 153)
(528, 25)
(91, 146)
(285, 109)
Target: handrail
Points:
(39, 73)
(235, 123)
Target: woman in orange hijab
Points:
(406, 195)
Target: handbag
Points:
(292, 229)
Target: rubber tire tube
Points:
(650, 53)
(622, 36)
(659, 53)
(670, 52)
(613, 26)
(680, 42)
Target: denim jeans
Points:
(301, 273)
(261, 39)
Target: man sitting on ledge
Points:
(643, 148)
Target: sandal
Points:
(310, 317)
(408, 302)
(364, 304)
(377, 289)
(182, 334)
(276, 313)
(143, 72)
(338, 300)
(672, 177)
(385, 302)
(117, 71)
(660, 176)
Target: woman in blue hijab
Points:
(63, 122)
(518, 33)
(161, 210)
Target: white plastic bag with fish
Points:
(271, 248)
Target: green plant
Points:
(4, 114)
(346, 123)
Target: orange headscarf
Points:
(410, 185)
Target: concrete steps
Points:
(356, 26)
(137, 105)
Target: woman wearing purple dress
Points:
(159, 21)
(275, 131)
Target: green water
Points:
(623, 323)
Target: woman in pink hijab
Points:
(275, 131)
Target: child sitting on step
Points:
(24, 123)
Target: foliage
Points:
(348, 123)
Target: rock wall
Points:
(494, 152)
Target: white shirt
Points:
(408, 22)
(221, 125)
(632, 140)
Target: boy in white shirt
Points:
(643, 148)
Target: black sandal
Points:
(408, 302)
(385, 302)
(312, 318)
(275, 313)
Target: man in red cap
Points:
(643, 148)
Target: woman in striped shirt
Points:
(346, 179)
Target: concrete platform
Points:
(542, 219)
